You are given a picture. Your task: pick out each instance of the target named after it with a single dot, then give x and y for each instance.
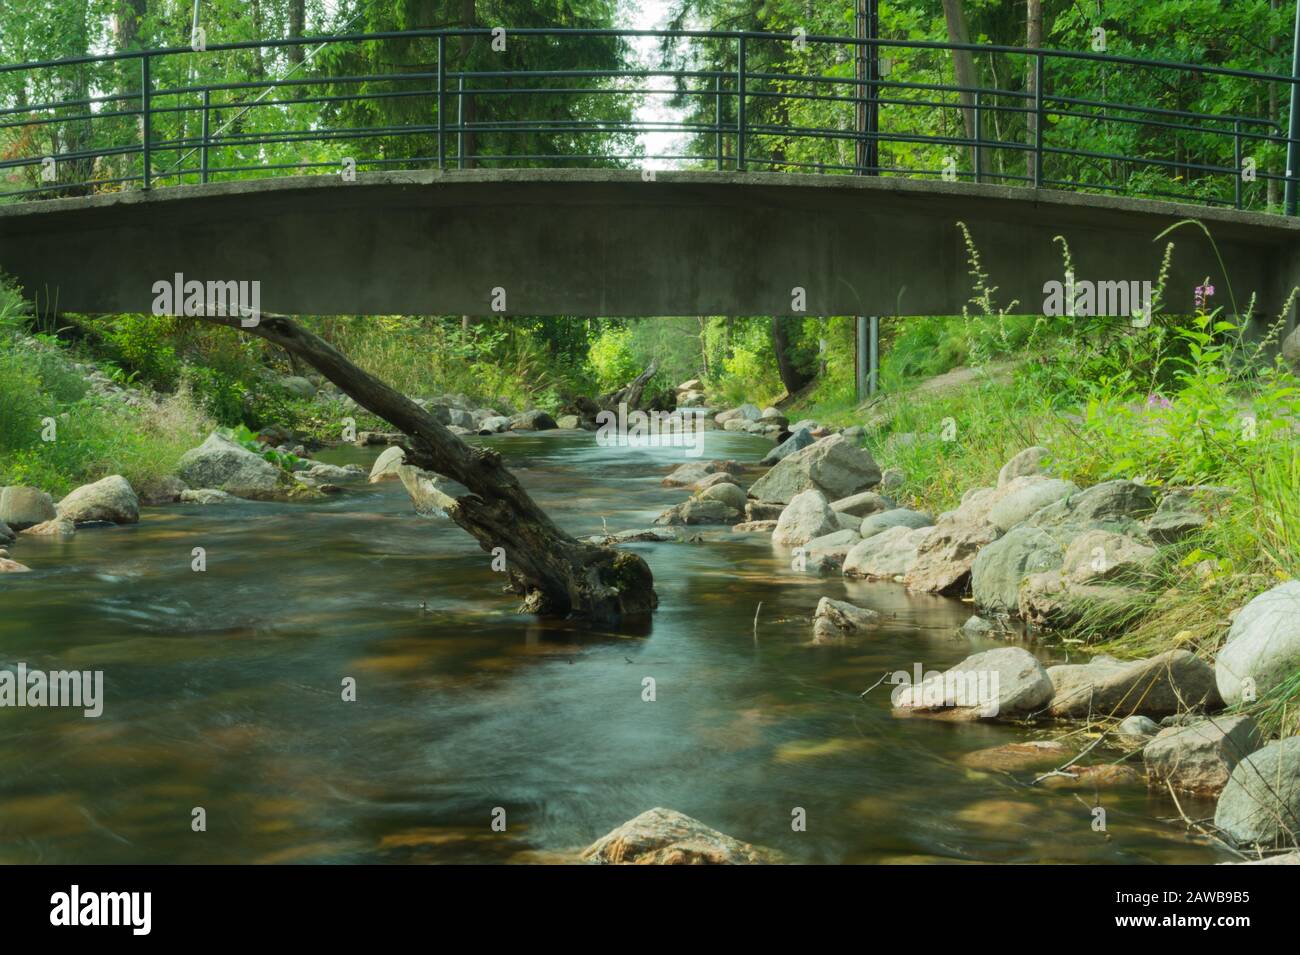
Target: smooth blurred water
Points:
(223, 691)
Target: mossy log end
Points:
(556, 574)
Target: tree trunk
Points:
(792, 377)
(1273, 113)
(1033, 40)
(467, 111)
(963, 63)
(630, 394)
(297, 26)
(557, 574)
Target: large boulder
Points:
(999, 568)
(836, 620)
(797, 441)
(1049, 599)
(493, 424)
(6, 534)
(1170, 682)
(874, 524)
(1199, 758)
(386, 466)
(828, 551)
(532, 421)
(8, 566)
(1028, 461)
(1261, 802)
(228, 466)
(834, 466)
(54, 527)
(697, 511)
(693, 472)
(863, 504)
(23, 507)
(298, 386)
(944, 558)
(1116, 506)
(1022, 497)
(726, 492)
(745, 412)
(808, 515)
(1097, 556)
(1183, 511)
(666, 837)
(1006, 683)
(1263, 645)
(111, 500)
(886, 555)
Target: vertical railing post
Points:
(1293, 127)
(145, 130)
(203, 161)
(1236, 158)
(717, 116)
(460, 123)
(740, 105)
(1038, 114)
(979, 138)
(442, 76)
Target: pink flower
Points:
(1202, 293)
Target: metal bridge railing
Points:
(168, 118)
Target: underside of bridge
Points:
(618, 243)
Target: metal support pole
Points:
(1293, 127)
(1236, 156)
(1038, 112)
(717, 117)
(203, 158)
(874, 381)
(740, 106)
(145, 131)
(979, 136)
(442, 83)
(460, 123)
(861, 375)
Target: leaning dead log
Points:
(631, 393)
(556, 574)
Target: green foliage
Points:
(242, 436)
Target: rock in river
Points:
(834, 466)
(665, 837)
(110, 500)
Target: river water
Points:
(223, 691)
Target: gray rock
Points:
(745, 412)
(827, 552)
(1028, 461)
(228, 466)
(861, 505)
(568, 422)
(1050, 599)
(532, 421)
(1096, 556)
(7, 536)
(1112, 505)
(873, 524)
(1000, 567)
(665, 837)
(206, 495)
(1261, 802)
(886, 555)
(1006, 683)
(807, 516)
(1138, 727)
(727, 493)
(835, 467)
(976, 626)
(298, 386)
(1022, 497)
(163, 490)
(1167, 683)
(944, 558)
(891, 479)
(1184, 511)
(110, 499)
(55, 527)
(693, 472)
(494, 425)
(697, 511)
(23, 507)
(761, 511)
(334, 474)
(1200, 758)
(836, 620)
(386, 465)
(797, 441)
(1263, 645)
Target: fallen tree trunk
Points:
(556, 574)
(631, 393)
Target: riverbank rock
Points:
(1261, 802)
(534, 420)
(206, 495)
(797, 441)
(55, 527)
(1005, 683)
(568, 422)
(807, 516)
(493, 424)
(1262, 648)
(1100, 556)
(24, 507)
(386, 465)
(692, 472)
(726, 492)
(1116, 506)
(837, 620)
(863, 505)
(165, 489)
(228, 466)
(7, 536)
(944, 559)
(754, 527)
(833, 466)
(1137, 727)
(874, 524)
(745, 412)
(665, 837)
(696, 511)
(110, 500)
(884, 556)
(1028, 461)
(1022, 497)
(826, 553)
(999, 568)
(1099, 776)
(1051, 600)
(1014, 757)
(1185, 510)
(1170, 682)
(333, 474)
(8, 566)
(1200, 758)
(760, 511)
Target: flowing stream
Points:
(223, 691)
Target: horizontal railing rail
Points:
(159, 117)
